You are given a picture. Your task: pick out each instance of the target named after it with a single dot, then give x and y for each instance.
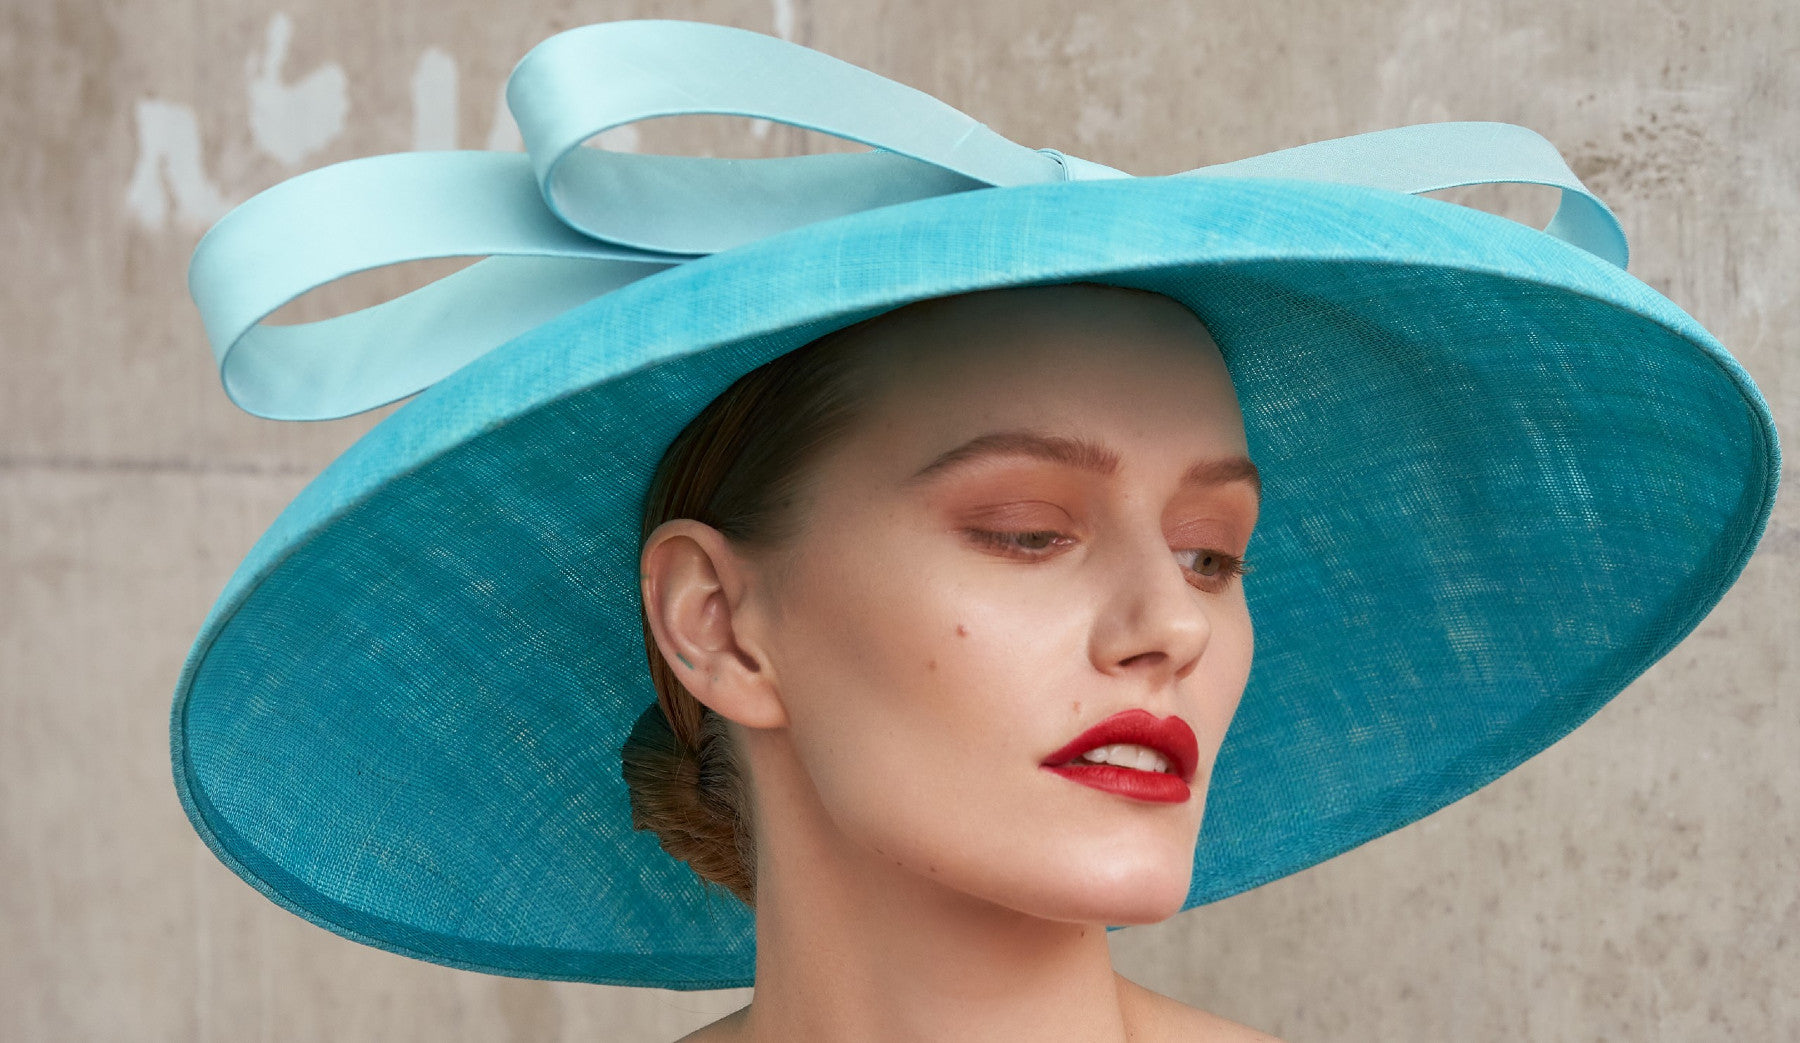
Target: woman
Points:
(962, 583)
(803, 519)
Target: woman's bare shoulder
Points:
(1167, 1020)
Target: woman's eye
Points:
(1205, 562)
(1214, 565)
(1033, 543)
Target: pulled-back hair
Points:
(742, 466)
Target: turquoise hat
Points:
(1502, 476)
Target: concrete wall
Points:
(1636, 881)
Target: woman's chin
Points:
(1118, 892)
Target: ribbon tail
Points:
(1426, 157)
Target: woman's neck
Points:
(852, 944)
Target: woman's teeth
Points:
(1127, 755)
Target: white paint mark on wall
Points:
(503, 133)
(434, 101)
(169, 164)
(291, 121)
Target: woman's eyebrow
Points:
(1081, 454)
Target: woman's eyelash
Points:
(1230, 566)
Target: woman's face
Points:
(951, 617)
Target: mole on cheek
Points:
(1078, 706)
(961, 631)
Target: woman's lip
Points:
(1169, 736)
(1158, 786)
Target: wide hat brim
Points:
(1502, 478)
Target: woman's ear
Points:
(695, 589)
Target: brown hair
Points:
(742, 466)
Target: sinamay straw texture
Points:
(1502, 478)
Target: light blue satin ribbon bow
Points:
(563, 224)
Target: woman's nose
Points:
(1153, 620)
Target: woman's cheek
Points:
(934, 653)
(873, 695)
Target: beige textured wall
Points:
(1636, 881)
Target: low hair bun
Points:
(691, 797)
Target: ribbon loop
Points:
(579, 83)
(367, 213)
(565, 223)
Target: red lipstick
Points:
(1169, 736)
